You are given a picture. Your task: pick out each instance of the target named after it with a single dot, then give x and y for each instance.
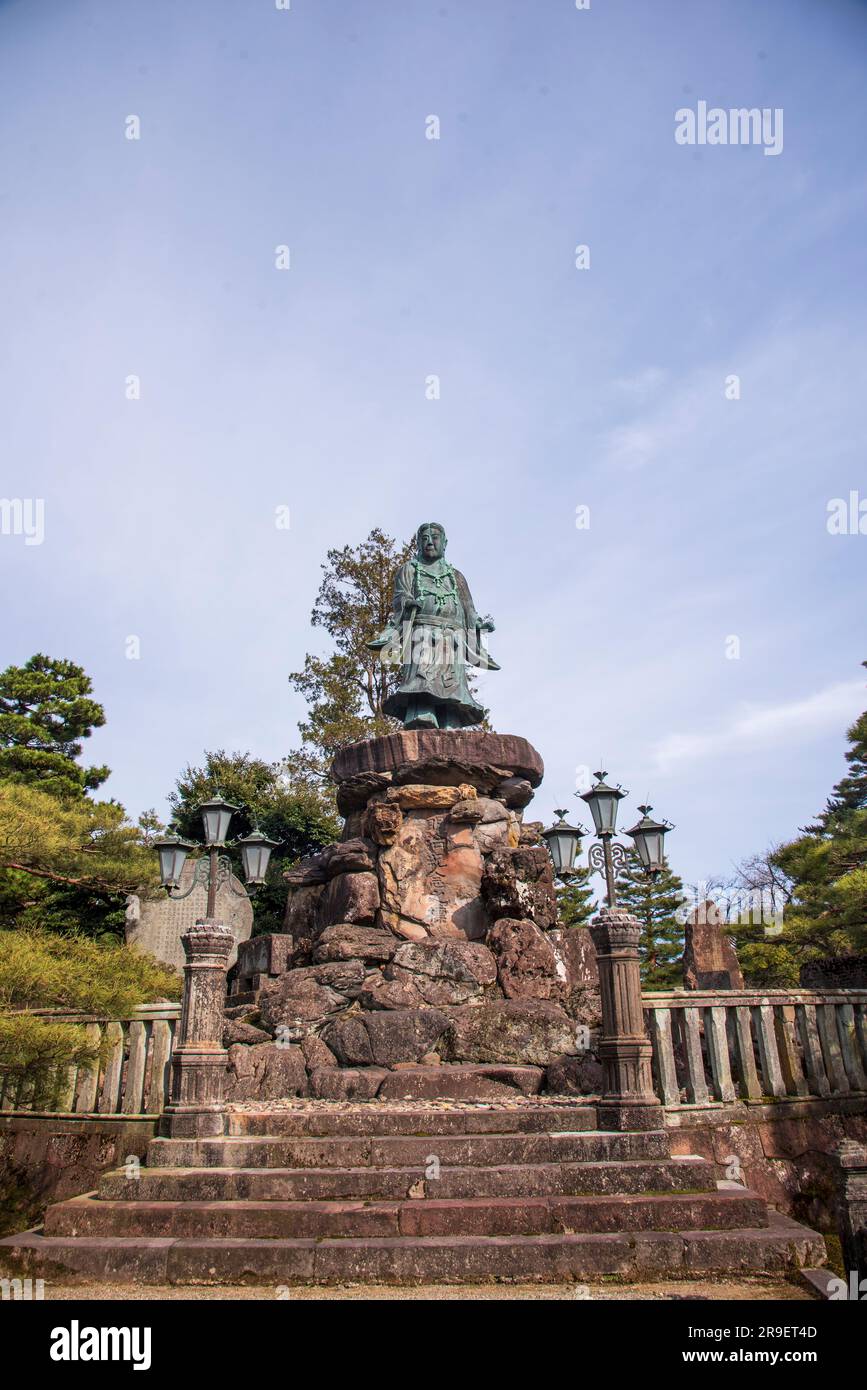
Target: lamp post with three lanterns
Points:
(197, 1105)
(607, 855)
(627, 1101)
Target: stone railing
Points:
(754, 1045)
(131, 1076)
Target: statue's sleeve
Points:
(477, 652)
(403, 590)
(471, 617)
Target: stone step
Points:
(773, 1250)
(686, 1174)
(461, 1081)
(401, 1151)
(431, 1216)
(370, 1119)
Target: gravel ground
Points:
(747, 1290)
(308, 1103)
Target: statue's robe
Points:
(434, 642)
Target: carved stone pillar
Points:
(197, 1108)
(628, 1101)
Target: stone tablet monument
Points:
(157, 924)
(709, 959)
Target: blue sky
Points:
(560, 387)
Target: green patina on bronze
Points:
(434, 633)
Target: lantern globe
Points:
(216, 816)
(255, 855)
(564, 844)
(602, 801)
(173, 852)
(648, 836)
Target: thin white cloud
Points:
(756, 725)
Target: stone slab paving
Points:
(747, 1291)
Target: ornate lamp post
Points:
(627, 1101)
(197, 1107)
(215, 869)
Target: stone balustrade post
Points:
(197, 1108)
(852, 1206)
(628, 1101)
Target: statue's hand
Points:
(487, 624)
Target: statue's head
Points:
(430, 541)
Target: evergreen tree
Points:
(296, 813)
(45, 712)
(346, 690)
(827, 866)
(655, 901)
(850, 793)
(68, 865)
(576, 903)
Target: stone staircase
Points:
(375, 1194)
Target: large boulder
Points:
(432, 973)
(576, 957)
(350, 898)
(516, 792)
(316, 1054)
(527, 967)
(268, 1071)
(430, 879)
(351, 856)
(302, 918)
(302, 998)
(440, 755)
(386, 1038)
(348, 1039)
(237, 1031)
(532, 1030)
(343, 941)
(519, 883)
(575, 1076)
(423, 796)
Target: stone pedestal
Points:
(625, 1051)
(426, 939)
(197, 1103)
(430, 814)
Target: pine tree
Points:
(655, 902)
(45, 712)
(827, 865)
(850, 793)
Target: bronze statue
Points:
(435, 633)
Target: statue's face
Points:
(432, 542)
